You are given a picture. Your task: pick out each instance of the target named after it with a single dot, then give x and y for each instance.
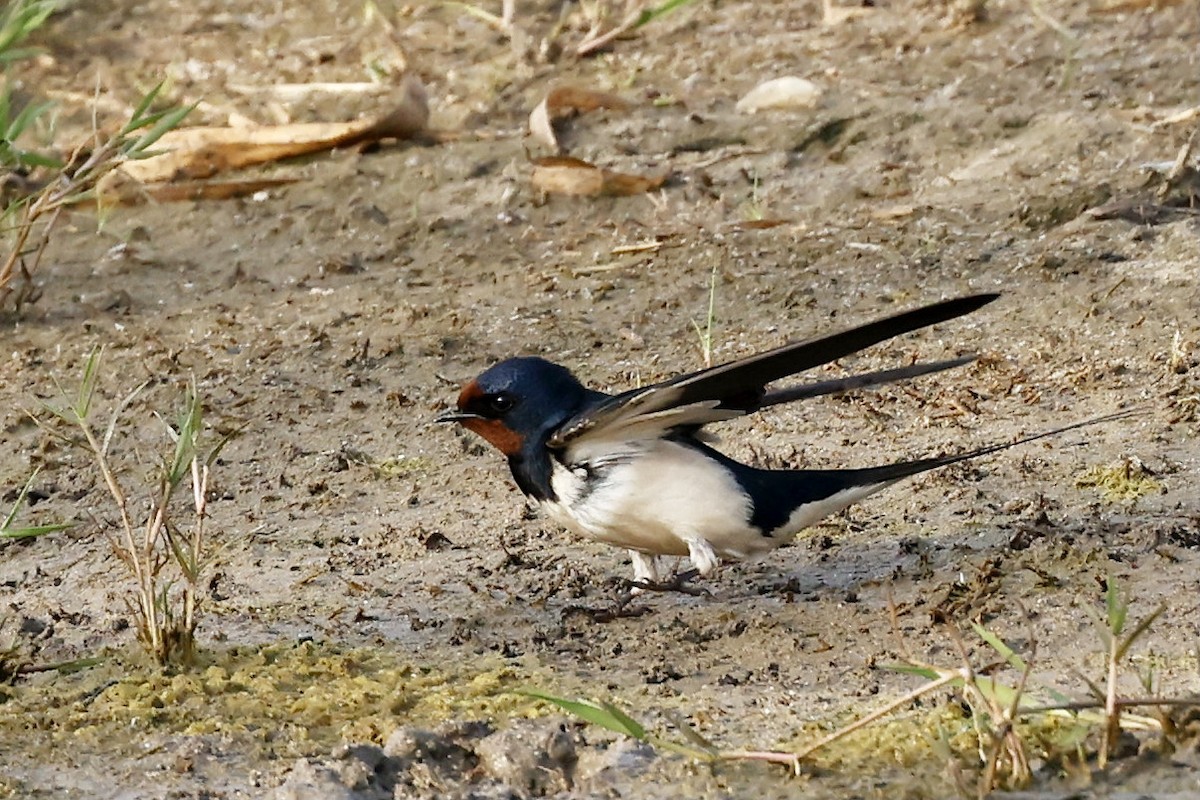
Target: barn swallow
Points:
(636, 471)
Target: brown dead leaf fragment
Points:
(759, 224)
(571, 176)
(564, 102)
(194, 153)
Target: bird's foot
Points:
(623, 607)
(679, 582)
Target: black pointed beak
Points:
(455, 416)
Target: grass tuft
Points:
(46, 185)
(163, 553)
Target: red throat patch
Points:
(472, 391)
(501, 437)
(498, 434)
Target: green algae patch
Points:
(921, 744)
(290, 699)
(1122, 482)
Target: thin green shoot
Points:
(13, 127)
(705, 334)
(18, 22)
(1000, 646)
(10, 531)
(633, 20)
(154, 125)
(755, 208)
(1111, 627)
(661, 10)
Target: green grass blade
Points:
(31, 159)
(1094, 688)
(998, 644)
(1115, 607)
(630, 724)
(12, 514)
(187, 434)
(116, 415)
(602, 715)
(28, 532)
(138, 119)
(25, 118)
(1055, 695)
(662, 9)
(32, 531)
(87, 386)
(74, 665)
(181, 557)
(18, 54)
(163, 123)
(691, 734)
(213, 454)
(1001, 694)
(19, 21)
(929, 673)
(1138, 630)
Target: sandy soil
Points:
(372, 572)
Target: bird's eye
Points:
(501, 402)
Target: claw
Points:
(676, 583)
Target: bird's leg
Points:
(645, 570)
(703, 557)
(704, 560)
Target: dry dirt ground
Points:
(373, 573)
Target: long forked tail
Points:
(787, 501)
(894, 472)
(868, 379)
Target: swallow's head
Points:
(517, 401)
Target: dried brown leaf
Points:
(193, 153)
(563, 102)
(572, 176)
(760, 224)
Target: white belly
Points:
(657, 497)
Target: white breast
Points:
(655, 497)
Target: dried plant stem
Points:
(1112, 711)
(137, 556)
(948, 678)
(1132, 702)
(1006, 738)
(770, 756)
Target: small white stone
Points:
(786, 93)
